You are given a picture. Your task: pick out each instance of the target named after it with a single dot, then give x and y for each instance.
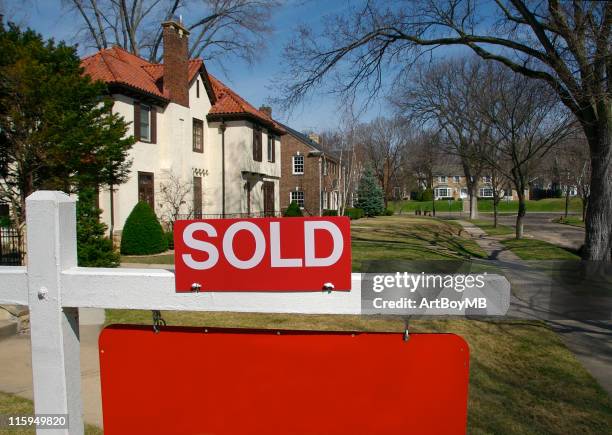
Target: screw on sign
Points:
(266, 254)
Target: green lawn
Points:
(532, 249)
(575, 221)
(487, 227)
(410, 238)
(148, 259)
(486, 205)
(15, 405)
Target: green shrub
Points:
(94, 249)
(354, 213)
(142, 233)
(427, 195)
(330, 212)
(293, 210)
(389, 212)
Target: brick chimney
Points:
(176, 62)
(267, 110)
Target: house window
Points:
(257, 144)
(197, 197)
(443, 192)
(464, 192)
(324, 195)
(486, 192)
(297, 196)
(271, 148)
(442, 179)
(456, 179)
(298, 165)
(486, 179)
(198, 135)
(145, 123)
(146, 188)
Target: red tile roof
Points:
(117, 66)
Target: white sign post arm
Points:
(56, 372)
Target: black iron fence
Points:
(181, 217)
(11, 247)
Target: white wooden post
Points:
(56, 373)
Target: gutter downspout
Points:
(222, 128)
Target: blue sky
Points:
(252, 82)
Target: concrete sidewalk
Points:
(16, 374)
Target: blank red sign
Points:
(230, 381)
(264, 254)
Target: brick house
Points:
(449, 183)
(191, 126)
(310, 175)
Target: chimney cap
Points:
(179, 26)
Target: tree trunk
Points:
(598, 222)
(567, 197)
(495, 205)
(521, 213)
(473, 193)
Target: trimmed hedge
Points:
(389, 212)
(293, 210)
(330, 212)
(142, 233)
(354, 213)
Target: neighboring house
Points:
(449, 184)
(310, 175)
(189, 125)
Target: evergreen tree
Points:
(93, 248)
(57, 130)
(293, 210)
(369, 195)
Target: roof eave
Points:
(246, 117)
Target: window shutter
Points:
(137, 120)
(153, 124)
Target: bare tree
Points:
(218, 27)
(574, 169)
(447, 95)
(174, 195)
(384, 143)
(526, 121)
(563, 44)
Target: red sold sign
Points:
(264, 254)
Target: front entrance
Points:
(268, 197)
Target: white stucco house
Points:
(192, 127)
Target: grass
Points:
(410, 238)
(522, 378)
(148, 259)
(487, 227)
(570, 220)
(531, 249)
(486, 205)
(15, 405)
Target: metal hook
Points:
(157, 320)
